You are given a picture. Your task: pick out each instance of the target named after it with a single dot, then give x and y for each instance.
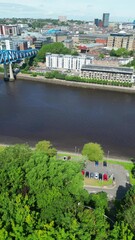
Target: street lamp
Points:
(108, 154)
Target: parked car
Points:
(104, 164)
(96, 176)
(96, 163)
(100, 176)
(92, 175)
(87, 174)
(83, 172)
(105, 177)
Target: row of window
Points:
(107, 76)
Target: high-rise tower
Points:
(106, 19)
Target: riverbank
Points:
(42, 79)
(75, 84)
(79, 155)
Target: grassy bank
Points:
(97, 183)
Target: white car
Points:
(96, 175)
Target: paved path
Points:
(108, 159)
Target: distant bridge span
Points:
(7, 57)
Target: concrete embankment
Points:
(75, 84)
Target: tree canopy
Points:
(57, 48)
(42, 197)
(93, 151)
(121, 52)
(51, 48)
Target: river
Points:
(69, 117)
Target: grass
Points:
(74, 157)
(97, 183)
(2, 148)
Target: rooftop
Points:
(107, 69)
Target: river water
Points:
(68, 117)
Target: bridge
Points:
(7, 57)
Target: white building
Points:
(68, 62)
(6, 44)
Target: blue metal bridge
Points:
(10, 56)
(7, 57)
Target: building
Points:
(68, 43)
(91, 38)
(68, 62)
(106, 19)
(108, 73)
(101, 40)
(22, 45)
(6, 44)
(42, 41)
(111, 61)
(10, 30)
(98, 22)
(120, 40)
(62, 18)
(57, 35)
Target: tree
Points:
(127, 209)
(121, 231)
(101, 55)
(40, 197)
(46, 147)
(93, 151)
(57, 48)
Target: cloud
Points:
(75, 9)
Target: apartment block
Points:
(10, 30)
(122, 74)
(6, 44)
(68, 62)
(120, 40)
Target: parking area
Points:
(120, 175)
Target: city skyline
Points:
(119, 10)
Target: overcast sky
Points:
(120, 10)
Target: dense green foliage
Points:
(93, 151)
(46, 147)
(57, 48)
(131, 64)
(121, 52)
(1, 69)
(42, 197)
(58, 75)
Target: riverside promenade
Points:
(42, 79)
(76, 84)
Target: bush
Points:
(1, 69)
(34, 74)
(58, 75)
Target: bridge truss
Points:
(10, 56)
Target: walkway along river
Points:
(69, 117)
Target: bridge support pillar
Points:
(11, 75)
(6, 78)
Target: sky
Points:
(120, 10)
